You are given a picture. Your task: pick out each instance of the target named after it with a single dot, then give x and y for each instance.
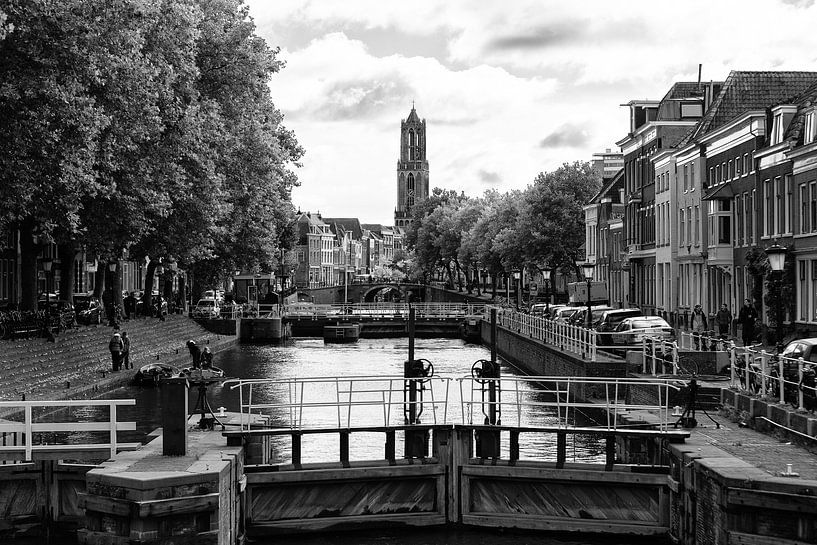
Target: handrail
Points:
(29, 428)
(311, 403)
(575, 339)
(377, 310)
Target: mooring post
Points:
(416, 441)
(493, 334)
(174, 416)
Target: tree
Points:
(551, 216)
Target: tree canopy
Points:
(142, 129)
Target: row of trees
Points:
(540, 226)
(141, 129)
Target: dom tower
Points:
(412, 168)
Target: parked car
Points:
(631, 331)
(538, 309)
(564, 314)
(580, 317)
(88, 309)
(609, 320)
(62, 312)
(140, 304)
(206, 308)
(801, 348)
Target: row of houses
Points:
(331, 251)
(713, 174)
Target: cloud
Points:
(489, 178)
(538, 38)
(566, 136)
(363, 99)
(799, 3)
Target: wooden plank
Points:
(105, 504)
(744, 497)
(326, 523)
(561, 449)
(739, 538)
(553, 524)
(390, 446)
(575, 475)
(348, 474)
(40, 427)
(176, 506)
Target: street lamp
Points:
(48, 263)
(589, 269)
(777, 260)
(517, 276)
(546, 277)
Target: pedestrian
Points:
(747, 318)
(699, 326)
(807, 386)
(116, 346)
(126, 351)
(130, 306)
(159, 312)
(206, 358)
(724, 320)
(195, 353)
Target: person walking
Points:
(116, 346)
(747, 317)
(724, 320)
(699, 326)
(126, 351)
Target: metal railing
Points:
(774, 377)
(522, 397)
(28, 436)
(367, 402)
(382, 310)
(340, 402)
(575, 339)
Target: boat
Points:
(205, 373)
(341, 333)
(152, 373)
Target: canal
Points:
(307, 357)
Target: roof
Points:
(346, 225)
(744, 91)
(617, 179)
(680, 90)
(412, 116)
(806, 100)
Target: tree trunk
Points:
(147, 306)
(67, 255)
(28, 266)
(116, 287)
(99, 281)
(182, 291)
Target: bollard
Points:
(174, 416)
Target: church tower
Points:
(412, 168)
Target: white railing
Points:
(29, 434)
(705, 341)
(340, 402)
(575, 339)
(383, 310)
(782, 379)
(356, 402)
(659, 357)
(561, 399)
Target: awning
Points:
(723, 191)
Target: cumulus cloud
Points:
(566, 136)
(489, 178)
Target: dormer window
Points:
(810, 126)
(780, 122)
(691, 110)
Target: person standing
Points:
(747, 317)
(116, 346)
(206, 358)
(195, 353)
(126, 351)
(699, 326)
(724, 320)
(159, 312)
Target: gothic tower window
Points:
(412, 145)
(410, 185)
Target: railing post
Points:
(644, 355)
(781, 379)
(29, 438)
(764, 363)
(732, 363)
(800, 363)
(652, 345)
(112, 429)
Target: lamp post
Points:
(777, 261)
(48, 263)
(160, 271)
(546, 277)
(517, 276)
(589, 269)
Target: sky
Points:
(508, 89)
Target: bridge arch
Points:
(380, 293)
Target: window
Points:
(809, 130)
(813, 206)
(739, 227)
(788, 184)
(745, 164)
(768, 212)
(779, 206)
(804, 215)
(686, 177)
(711, 176)
(737, 166)
(697, 238)
(681, 230)
(724, 229)
(724, 171)
(803, 289)
(693, 109)
(751, 228)
(717, 174)
(692, 178)
(777, 129)
(752, 161)
(689, 225)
